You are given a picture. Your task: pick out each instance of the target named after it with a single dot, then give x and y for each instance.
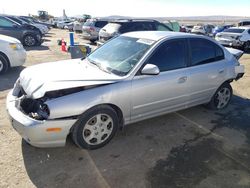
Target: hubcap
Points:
(98, 129)
(30, 41)
(223, 97)
(1, 65)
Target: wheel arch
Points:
(113, 106)
(6, 57)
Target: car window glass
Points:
(6, 23)
(161, 27)
(147, 26)
(170, 55)
(101, 24)
(249, 31)
(204, 51)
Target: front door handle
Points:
(221, 71)
(182, 79)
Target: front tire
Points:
(246, 46)
(222, 97)
(95, 128)
(3, 64)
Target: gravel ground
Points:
(191, 148)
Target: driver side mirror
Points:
(150, 69)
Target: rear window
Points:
(204, 51)
(101, 24)
(234, 30)
(112, 27)
(244, 23)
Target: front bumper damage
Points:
(35, 132)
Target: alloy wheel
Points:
(29, 40)
(1, 66)
(222, 98)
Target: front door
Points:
(157, 94)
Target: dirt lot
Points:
(191, 148)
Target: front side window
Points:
(204, 51)
(120, 55)
(170, 55)
(6, 23)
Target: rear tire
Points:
(95, 128)
(221, 98)
(29, 40)
(3, 64)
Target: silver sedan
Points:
(132, 77)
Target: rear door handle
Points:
(182, 79)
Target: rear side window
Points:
(170, 55)
(101, 24)
(204, 51)
(161, 27)
(6, 23)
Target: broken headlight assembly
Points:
(35, 109)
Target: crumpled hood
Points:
(37, 80)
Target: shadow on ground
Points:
(166, 151)
(38, 48)
(8, 79)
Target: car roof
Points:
(158, 35)
(241, 27)
(132, 20)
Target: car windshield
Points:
(120, 55)
(234, 30)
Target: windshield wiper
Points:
(98, 65)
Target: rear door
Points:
(156, 94)
(207, 70)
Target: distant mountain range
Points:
(189, 18)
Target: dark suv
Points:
(117, 27)
(27, 34)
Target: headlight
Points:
(16, 46)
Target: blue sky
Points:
(129, 7)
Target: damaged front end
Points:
(37, 108)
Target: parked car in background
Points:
(115, 28)
(133, 77)
(27, 34)
(69, 26)
(203, 29)
(22, 22)
(44, 29)
(199, 29)
(34, 20)
(188, 28)
(91, 28)
(174, 25)
(12, 53)
(183, 29)
(244, 23)
(62, 24)
(78, 24)
(219, 29)
(238, 37)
